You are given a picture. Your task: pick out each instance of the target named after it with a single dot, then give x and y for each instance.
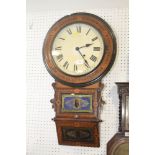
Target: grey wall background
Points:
(44, 5)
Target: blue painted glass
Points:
(77, 103)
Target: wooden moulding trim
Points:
(77, 120)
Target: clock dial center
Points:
(77, 48)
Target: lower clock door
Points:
(78, 133)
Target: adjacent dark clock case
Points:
(119, 144)
(77, 99)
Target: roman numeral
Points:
(59, 57)
(93, 58)
(78, 28)
(96, 49)
(58, 48)
(94, 38)
(62, 38)
(75, 67)
(66, 64)
(69, 31)
(87, 32)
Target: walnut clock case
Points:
(78, 51)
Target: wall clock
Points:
(119, 144)
(78, 51)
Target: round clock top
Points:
(79, 49)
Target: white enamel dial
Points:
(78, 49)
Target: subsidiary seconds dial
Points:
(77, 49)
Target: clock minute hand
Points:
(77, 49)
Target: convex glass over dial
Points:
(77, 49)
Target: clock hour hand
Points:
(77, 49)
(87, 45)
